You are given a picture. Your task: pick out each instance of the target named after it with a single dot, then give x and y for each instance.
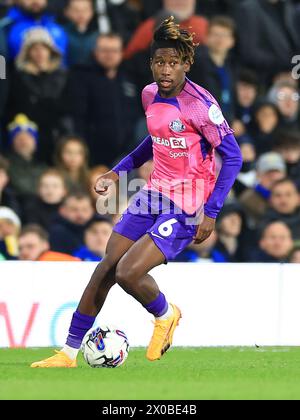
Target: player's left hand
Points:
(205, 229)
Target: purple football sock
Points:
(79, 327)
(159, 307)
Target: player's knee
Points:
(106, 265)
(125, 276)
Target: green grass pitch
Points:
(202, 373)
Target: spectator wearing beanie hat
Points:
(24, 171)
(37, 87)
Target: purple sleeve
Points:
(137, 158)
(231, 165)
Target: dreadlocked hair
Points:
(170, 35)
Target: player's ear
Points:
(187, 66)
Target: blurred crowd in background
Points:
(70, 107)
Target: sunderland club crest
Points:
(177, 126)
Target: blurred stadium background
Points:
(70, 108)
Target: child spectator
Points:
(96, 236)
(34, 246)
(43, 209)
(66, 232)
(8, 197)
(213, 69)
(37, 88)
(288, 146)
(229, 229)
(10, 226)
(265, 126)
(24, 170)
(82, 33)
(72, 156)
(246, 96)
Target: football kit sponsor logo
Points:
(178, 143)
(173, 142)
(174, 155)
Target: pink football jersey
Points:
(184, 130)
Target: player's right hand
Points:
(104, 182)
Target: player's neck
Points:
(173, 93)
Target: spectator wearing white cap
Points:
(10, 226)
(270, 169)
(37, 88)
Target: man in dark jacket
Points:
(275, 244)
(67, 231)
(213, 67)
(103, 102)
(285, 206)
(268, 35)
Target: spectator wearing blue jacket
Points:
(229, 229)
(82, 31)
(96, 236)
(28, 14)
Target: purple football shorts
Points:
(158, 217)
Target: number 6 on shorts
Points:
(166, 228)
